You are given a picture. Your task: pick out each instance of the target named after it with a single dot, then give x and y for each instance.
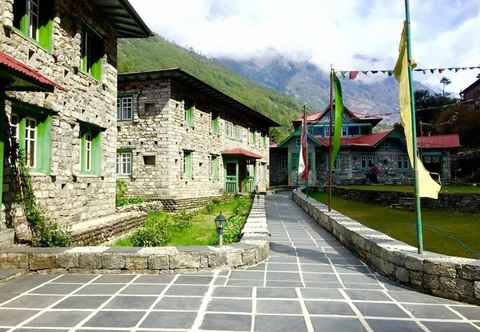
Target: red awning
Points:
(24, 78)
(359, 141)
(241, 153)
(439, 142)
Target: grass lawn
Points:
(446, 231)
(200, 228)
(408, 189)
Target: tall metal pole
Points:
(330, 170)
(418, 206)
(307, 166)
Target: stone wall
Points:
(252, 249)
(468, 202)
(67, 195)
(455, 278)
(162, 132)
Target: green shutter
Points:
(1, 170)
(96, 70)
(97, 154)
(46, 24)
(44, 145)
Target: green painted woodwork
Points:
(187, 164)
(215, 124)
(189, 116)
(248, 183)
(45, 25)
(96, 153)
(231, 176)
(215, 168)
(92, 53)
(2, 148)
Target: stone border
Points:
(252, 249)
(454, 278)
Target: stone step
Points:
(7, 237)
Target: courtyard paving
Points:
(310, 283)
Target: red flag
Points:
(353, 75)
(303, 163)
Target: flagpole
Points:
(306, 144)
(330, 171)
(418, 207)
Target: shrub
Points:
(183, 220)
(121, 198)
(153, 234)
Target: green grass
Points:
(202, 230)
(409, 189)
(448, 232)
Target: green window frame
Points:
(214, 168)
(264, 141)
(34, 20)
(253, 138)
(92, 53)
(32, 132)
(90, 151)
(187, 164)
(215, 124)
(189, 116)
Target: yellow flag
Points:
(427, 187)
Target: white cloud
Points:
(326, 32)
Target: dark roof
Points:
(204, 88)
(21, 77)
(125, 20)
(370, 140)
(471, 86)
(317, 116)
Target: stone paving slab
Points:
(315, 286)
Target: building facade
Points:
(472, 91)
(181, 141)
(365, 156)
(66, 133)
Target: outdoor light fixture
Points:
(219, 222)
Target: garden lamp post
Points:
(219, 222)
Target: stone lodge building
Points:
(181, 141)
(362, 151)
(472, 91)
(58, 90)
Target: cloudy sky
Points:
(350, 34)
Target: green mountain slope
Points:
(157, 53)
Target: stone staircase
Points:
(405, 203)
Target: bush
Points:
(183, 220)
(153, 234)
(121, 198)
(50, 234)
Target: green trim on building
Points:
(92, 164)
(189, 116)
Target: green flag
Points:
(338, 119)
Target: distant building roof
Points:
(471, 86)
(200, 86)
(125, 20)
(439, 142)
(241, 153)
(371, 140)
(317, 116)
(23, 78)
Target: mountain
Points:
(309, 84)
(156, 53)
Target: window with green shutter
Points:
(215, 124)
(34, 19)
(187, 164)
(90, 151)
(253, 138)
(264, 141)
(189, 116)
(92, 53)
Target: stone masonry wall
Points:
(68, 196)
(455, 278)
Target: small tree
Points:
(445, 81)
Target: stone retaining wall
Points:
(455, 278)
(468, 202)
(252, 249)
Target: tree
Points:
(445, 81)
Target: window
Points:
(264, 141)
(338, 162)
(124, 163)
(90, 151)
(403, 161)
(187, 164)
(92, 52)
(125, 108)
(215, 124)
(367, 161)
(344, 131)
(237, 132)
(31, 142)
(189, 116)
(354, 131)
(253, 138)
(149, 160)
(229, 129)
(214, 168)
(33, 18)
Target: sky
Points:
(348, 34)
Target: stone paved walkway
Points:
(310, 283)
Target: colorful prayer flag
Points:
(303, 160)
(427, 187)
(338, 120)
(353, 75)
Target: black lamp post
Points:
(219, 222)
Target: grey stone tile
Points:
(187, 290)
(255, 275)
(472, 313)
(14, 317)
(358, 278)
(245, 292)
(100, 289)
(367, 295)
(226, 322)
(380, 310)
(351, 269)
(328, 285)
(35, 329)
(276, 293)
(320, 277)
(245, 282)
(169, 320)
(288, 284)
(58, 319)
(330, 324)
(24, 283)
(113, 319)
(56, 289)
(279, 324)
(220, 281)
(115, 278)
(416, 297)
(259, 267)
(75, 278)
(230, 305)
(381, 325)
(82, 302)
(283, 276)
(430, 311)
(329, 308)
(143, 289)
(131, 302)
(33, 301)
(282, 267)
(317, 268)
(155, 279)
(179, 303)
(321, 294)
(449, 327)
(351, 285)
(278, 307)
(193, 280)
